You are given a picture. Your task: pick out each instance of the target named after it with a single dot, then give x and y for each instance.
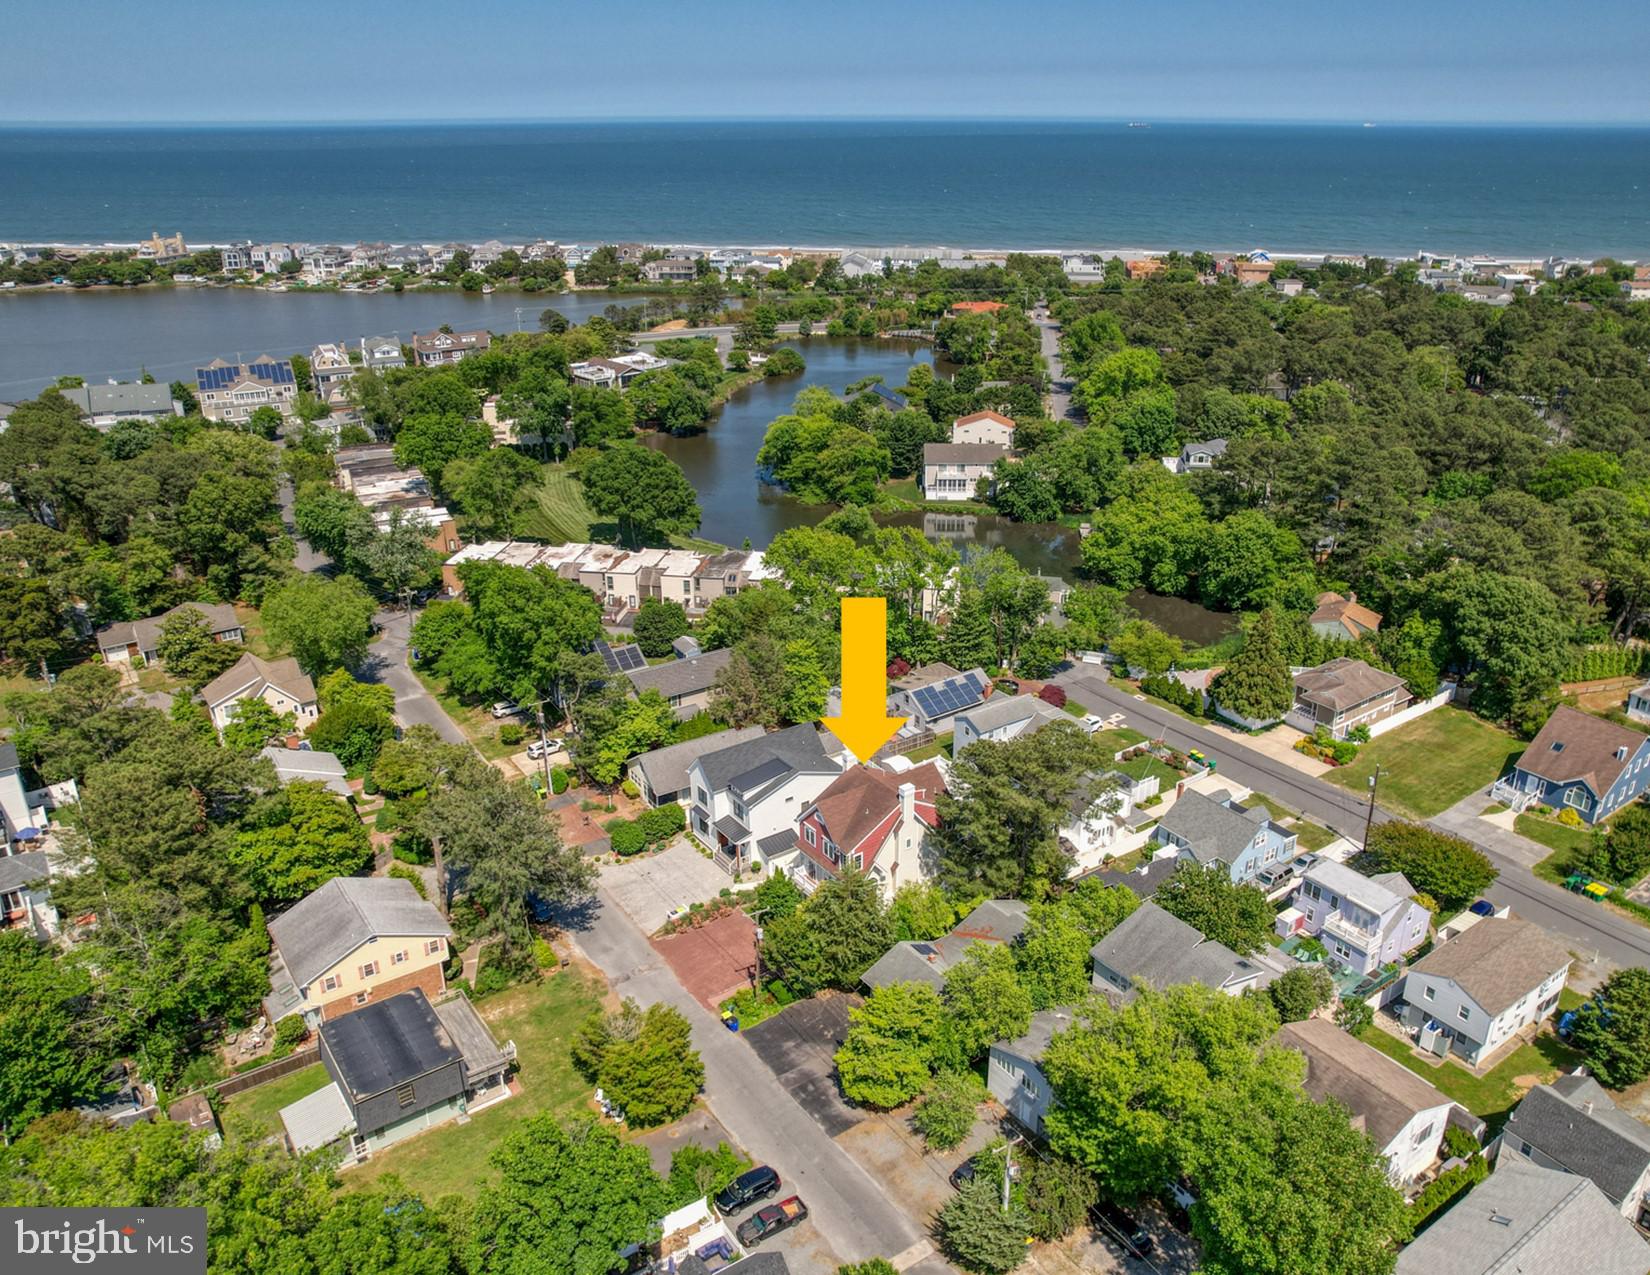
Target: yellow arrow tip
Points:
(863, 735)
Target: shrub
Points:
(544, 956)
(945, 1112)
(409, 847)
(1359, 734)
(626, 836)
(696, 1171)
(511, 733)
(662, 822)
(1172, 692)
(1343, 752)
(1445, 1187)
(630, 790)
(1353, 1016)
(1459, 1143)
(403, 873)
(1058, 1195)
(558, 781)
(1569, 818)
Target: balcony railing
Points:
(1343, 929)
(1507, 792)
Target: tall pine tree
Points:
(1256, 682)
(968, 641)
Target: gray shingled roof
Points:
(1044, 1024)
(667, 768)
(691, 676)
(19, 870)
(325, 926)
(961, 454)
(1497, 961)
(799, 746)
(993, 921)
(1158, 948)
(1005, 710)
(1525, 1220)
(220, 618)
(95, 400)
(249, 674)
(1573, 1122)
(1213, 829)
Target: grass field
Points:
(561, 514)
(1495, 1093)
(1556, 837)
(540, 1018)
(1431, 763)
(261, 1107)
(1119, 739)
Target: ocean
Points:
(1286, 187)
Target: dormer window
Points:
(1621, 753)
(1558, 745)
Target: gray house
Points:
(398, 1067)
(1214, 829)
(1014, 1072)
(108, 405)
(1156, 948)
(119, 642)
(993, 921)
(1524, 1218)
(685, 683)
(662, 774)
(1572, 1124)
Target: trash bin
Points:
(732, 1022)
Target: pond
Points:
(1191, 622)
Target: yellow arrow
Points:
(864, 725)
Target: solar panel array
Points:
(950, 696)
(621, 659)
(221, 378)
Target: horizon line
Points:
(1350, 121)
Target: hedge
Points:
(1444, 1188)
(1595, 663)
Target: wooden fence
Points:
(295, 1061)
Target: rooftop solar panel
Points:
(630, 657)
(608, 658)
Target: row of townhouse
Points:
(390, 490)
(622, 579)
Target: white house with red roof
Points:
(870, 819)
(990, 429)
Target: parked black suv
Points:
(760, 1183)
(1126, 1228)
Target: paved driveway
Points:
(650, 889)
(713, 960)
(798, 1045)
(386, 662)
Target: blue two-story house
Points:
(1582, 762)
(1215, 829)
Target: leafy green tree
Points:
(1052, 953)
(658, 624)
(395, 558)
(654, 1077)
(919, 910)
(1001, 815)
(1150, 536)
(1613, 1028)
(530, 622)
(253, 723)
(1044, 651)
(46, 1062)
(1508, 629)
(599, 416)
(186, 647)
(895, 1041)
(1209, 901)
(498, 835)
(837, 934)
(599, 1031)
(1058, 1196)
(568, 1199)
(1450, 870)
(985, 998)
(967, 641)
(949, 1105)
(645, 490)
(431, 440)
(1621, 851)
(806, 684)
(778, 896)
(353, 732)
(875, 1266)
(1300, 993)
(1246, 560)
(494, 490)
(329, 519)
(1023, 493)
(324, 623)
(979, 1234)
(1256, 683)
(1095, 615)
(1142, 645)
(298, 841)
(33, 628)
(697, 1172)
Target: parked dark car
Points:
(1483, 907)
(760, 1183)
(771, 1220)
(963, 1174)
(1126, 1228)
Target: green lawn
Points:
(1495, 1093)
(261, 1107)
(1556, 837)
(541, 1019)
(1312, 836)
(475, 720)
(1143, 767)
(940, 747)
(560, 512)
(1119, 739)
(1431, 763)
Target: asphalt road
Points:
(307, 559)
(850, 1209)
(1059, 391)
(386, 663)
(1592, 931)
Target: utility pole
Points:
(1369, 819)
(753, 914)
(1007, 1150)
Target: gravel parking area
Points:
(798, 1045)
(650, 889)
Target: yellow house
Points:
(354, 941)
(279, 683)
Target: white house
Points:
(986, 429)
(1365, 922)
(1469, 996)
(1196, 458)
(1638, 703)
(662, 774)
(279, 683)
(952, 471)
(1403, 1115)
(746, 798)
(1003, 717)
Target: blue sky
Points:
(1447, 60)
